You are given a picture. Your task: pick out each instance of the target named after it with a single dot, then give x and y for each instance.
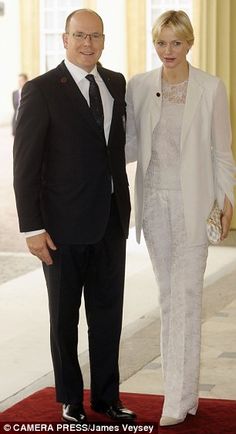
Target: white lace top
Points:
(164, 168)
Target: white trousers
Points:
(179, 269)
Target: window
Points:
(154, 9)
(53, 14)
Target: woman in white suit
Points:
(178, 131)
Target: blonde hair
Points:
(178, 21)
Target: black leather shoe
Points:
(115, 412)
(73, 413)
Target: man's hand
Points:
(38, 245)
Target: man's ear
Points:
(65, 40)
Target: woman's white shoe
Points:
(166, 421)
(193, 410)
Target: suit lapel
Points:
(78, 101)
(194, 94)
(109, 82)
(115, 91)
(150, 100)
(155, 97)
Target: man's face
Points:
(84, 51)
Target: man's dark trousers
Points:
(99, 270)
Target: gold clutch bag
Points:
(213, 224)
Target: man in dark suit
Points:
(16, 96)
(73, 203)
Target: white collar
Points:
(78, 72)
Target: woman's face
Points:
(171, 50)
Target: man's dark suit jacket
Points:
(62, 165)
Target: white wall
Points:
(10, 58)
(114, 18)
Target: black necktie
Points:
(95, 101)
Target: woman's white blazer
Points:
(207, 166)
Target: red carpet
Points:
(214, 416)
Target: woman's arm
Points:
(224, 165)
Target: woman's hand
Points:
(226, 218)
